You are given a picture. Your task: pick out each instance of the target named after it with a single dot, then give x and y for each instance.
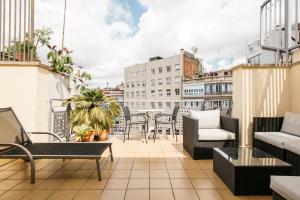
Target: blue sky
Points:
(136, 9)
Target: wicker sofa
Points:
(279, 136)
(285, 187)
(199, 142)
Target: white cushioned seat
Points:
(291, 124)
(286, 186)
(207, 119)
(293, 146)
(275, 138)
(215, 134)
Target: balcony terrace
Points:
(160, 170)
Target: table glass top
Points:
(247, 156)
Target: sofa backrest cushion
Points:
(207, 119)
(291, 124)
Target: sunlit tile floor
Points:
(160, 170)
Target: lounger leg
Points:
(98, 169)
(111, 153)
(128, 131)
(32, 166)
(125, 132)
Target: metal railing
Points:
(17, 30)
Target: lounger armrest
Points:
(190, 133)
(47, 133)
(232, 125)
(267, 124)
(29, 155)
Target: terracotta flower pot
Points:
(103, 135)
(88, 137)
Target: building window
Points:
(168, 68)
(160, 70)
(177, 67)
(160, 104)
(143, 105)
(132, 94)
(168, 91)
(160, 93)
(143, 84)
(153, 82)
(177, 104)
(177, 79)
(152, 71)
(168, 104)
(132, 104)
(138, 83)
(132, 84)
(127, 94)
(137, 93)
(152, 93)
(127, 85)
(137, 104)
(152, 105)
(168, 80)
(177, 92)
(144, 94)
(160, 81)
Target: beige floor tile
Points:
(38, 194)
(206, 164)
(126, 160)
(137, 194)
(88, 195)
(210, 173)
(181, 183)
(51, 184)
(209, 194)
(195, 173)
(176, 165)
(5, 174)
(116, 184)
(140, 166)
(63, 195)
(202, 183)
(183, 194)
(105, 173)
(43, 174)
(227, 195)
(121, 173)
(141, 160)
(158, 165)
(82, 173)
(94, 184)
(161, 194)
(140, 174)
(62, 174)
(124, 166)
(15, 195)
(170, 159)
(112, 195)
(160, 183)
(138, 184)
(8, 184)
(177, 174)
(159, 174)
(73, 184)
(26, 185)
(156, 160)
(191, 166)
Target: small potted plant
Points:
(84, 133)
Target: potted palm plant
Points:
(95, 110)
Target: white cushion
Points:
(286, 186)
(215, 134)
(293, 146)
(275, 138)
(291, 123)
(207, 119)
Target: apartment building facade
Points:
(212, 90)
(157, 84)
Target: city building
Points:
(157, 84)
(212, 90)
(115, 92)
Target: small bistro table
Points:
(149, 114)
(247, 171)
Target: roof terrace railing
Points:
(17, 30)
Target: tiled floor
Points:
(160, 170)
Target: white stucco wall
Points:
(28, 89)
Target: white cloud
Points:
(105, 39)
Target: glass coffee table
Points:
(247, 171)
